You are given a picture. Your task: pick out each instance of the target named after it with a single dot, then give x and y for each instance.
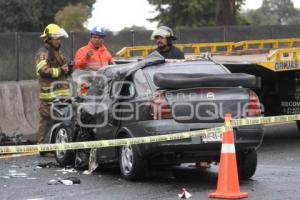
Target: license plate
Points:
(212, 137)
(215, 137)
(196, 140)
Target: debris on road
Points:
(15, 139)
(53, 182)
(5, 177)
(47, 165)
(31, 178)
(68, 181)
(15, 174)
(12, 140)
(184, 194)
(67, 170)
(75, 180)
(92, 162)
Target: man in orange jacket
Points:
(94, 55)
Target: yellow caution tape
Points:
(5, 157)
(111, 143)
(212, 132)
(264, 120)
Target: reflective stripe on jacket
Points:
(52, 79)
(50, 96)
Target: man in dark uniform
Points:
(164, 37)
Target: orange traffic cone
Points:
(228, 181)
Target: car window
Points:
(128, 90)
(131, 90)
(141, 84)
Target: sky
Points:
(117, 14)
(254, 4)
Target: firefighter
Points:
(164, 38)
(52, 72)
(94, 55)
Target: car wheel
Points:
(132, 166)
(247, 163)
(64, 135)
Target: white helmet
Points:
(163, 31)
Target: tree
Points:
(32, 15)
(258, 17)
(274, 12)
(18, 15)
(195, 13)
(178, 13)
(227, 11)
(51, 7)
(73, 17)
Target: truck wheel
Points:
(247, 163)
(298, 125)
(132, 166)
(64, 135)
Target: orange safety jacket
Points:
(101, 57)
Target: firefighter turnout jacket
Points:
(52, 79)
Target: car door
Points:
(113, 117)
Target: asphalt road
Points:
(277, 177)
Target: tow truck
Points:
(275, 63)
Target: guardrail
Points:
(228, 47)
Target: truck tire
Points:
(298, 125)
(247, 163)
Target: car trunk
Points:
(207, 104)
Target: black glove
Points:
(70, 67)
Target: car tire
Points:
(247, 163)
(63, 134)
(132, 166)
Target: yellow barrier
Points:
(282, 60)
(150, 139)
(197, 48)
(261, 44)
(126, 52)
